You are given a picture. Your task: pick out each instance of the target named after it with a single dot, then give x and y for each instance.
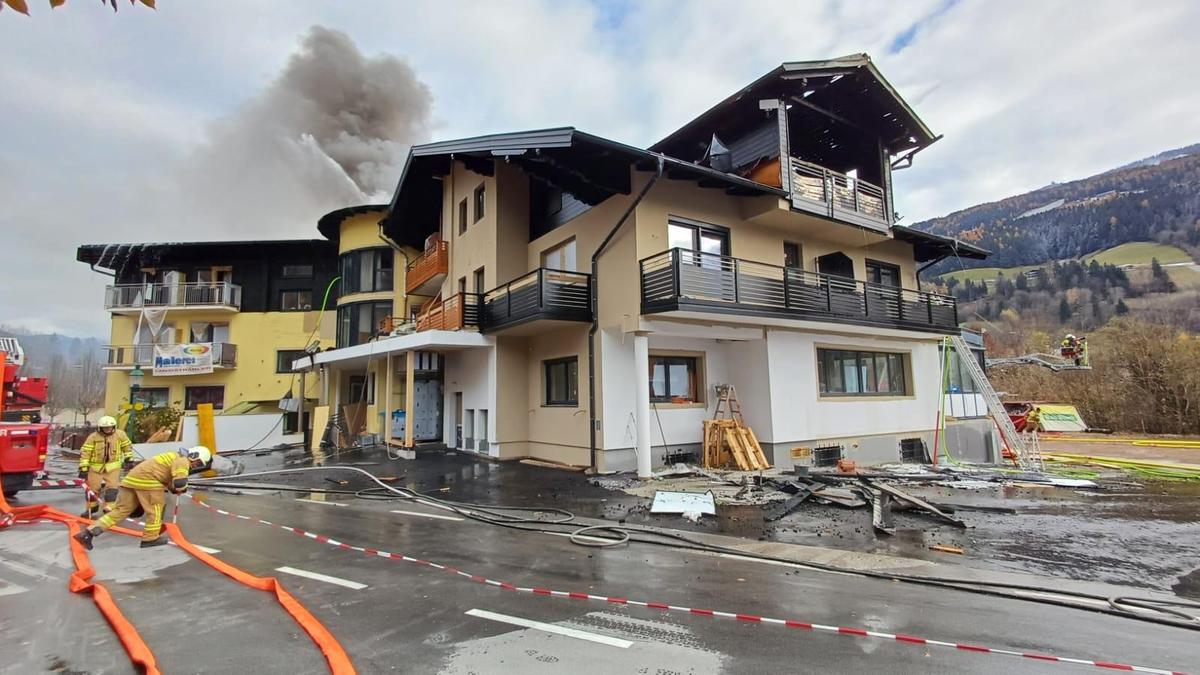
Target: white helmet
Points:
(107, 421)
(200, 454)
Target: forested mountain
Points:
(1155, 199)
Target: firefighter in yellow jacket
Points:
(101, 457)
(144, 491)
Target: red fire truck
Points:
(24, 441)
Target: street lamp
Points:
(135, 378)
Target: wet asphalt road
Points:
(410, 618)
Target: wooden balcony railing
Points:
(541, 294)
(427, 271)
(457, 312)
(836, 195)
(681, 279)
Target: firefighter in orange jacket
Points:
(144, 489)
(101, 457)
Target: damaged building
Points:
(557, 295)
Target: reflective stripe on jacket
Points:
(104, 453)
(158, 473)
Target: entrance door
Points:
(458, 419)
(427, 410)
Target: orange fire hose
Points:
(139, 652)
(339, 662)
(81, 581)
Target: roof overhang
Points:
(929, 247)
(850, 87)
(427, 340)
(119, 256)
(588, 167)
(329, 225)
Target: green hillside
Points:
(1133, 253)
(1139, 253)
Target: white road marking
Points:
(25, 569)
(322, 577)
(314, 501)
(428, 515)
(9, 588)
(210, 551)
(551, 628)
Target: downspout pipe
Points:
(595, 292)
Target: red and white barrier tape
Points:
(59, 483)
(754, 618)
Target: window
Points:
(883, 273)
(561, 257)
(296, 272)
(366, 270)
(699, 237)
(151, 397)
(462, 284)
(479, 281)
(854, 373)
(359, 322)
(480, 198)
(285, 357)
(362, 389)
(194, 396)
(215, 275)
(562, 381)
(792, 255)
(837, 264)
(462, 216)
(958, 380)
(295, 301)
(675, 379)
(207, 331)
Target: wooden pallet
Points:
(729, 442)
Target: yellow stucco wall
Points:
(258, 336)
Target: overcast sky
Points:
(125, 127)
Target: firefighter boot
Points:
(162, 540)
(85, 537)
(92, 512)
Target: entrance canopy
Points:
(428, 340)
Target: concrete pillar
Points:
(641, 385)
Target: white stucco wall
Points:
(472, 372)
(800, 414)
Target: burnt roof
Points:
(850, 87)
(589, 167)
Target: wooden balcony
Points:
(426, 273)
(684, 280)
(457, 312)
(543, 294)
(132, 298)
(836, 195)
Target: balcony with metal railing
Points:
(829, 193)
(132, 298)
(427, 272)
(543, 294)
(685, 280)
(125, 357)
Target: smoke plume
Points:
(331, 130)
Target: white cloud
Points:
(1025, 92)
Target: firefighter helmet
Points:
(199, 454)
(107, 421)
